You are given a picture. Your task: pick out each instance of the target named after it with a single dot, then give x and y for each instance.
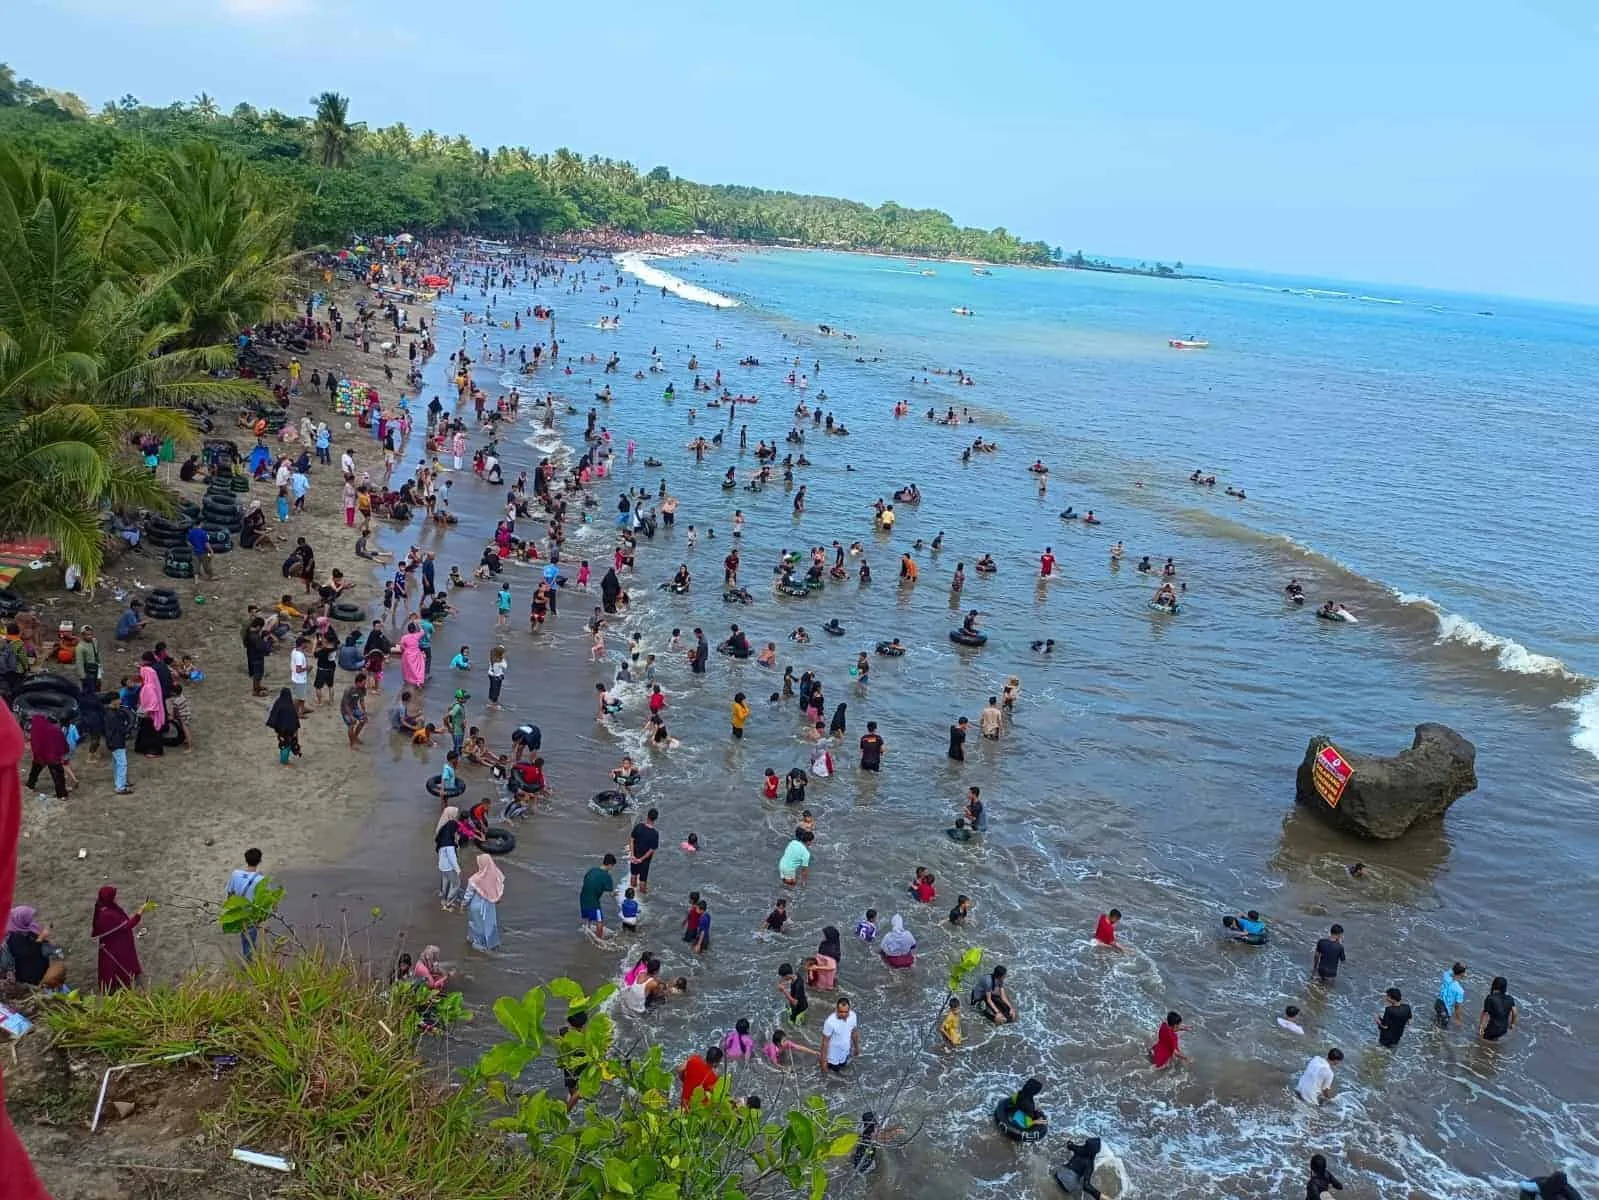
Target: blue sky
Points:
(1442, 145)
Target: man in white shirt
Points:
(1315, 1085)
(840, 1039)
(1290, 1020)
(347, 463)
(299, 674)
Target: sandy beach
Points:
(196, 810)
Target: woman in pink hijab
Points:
(113, 928)
(152, 712)
(413, 663)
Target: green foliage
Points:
(328, 1071)
(346, 180)
(251, 912)
(627, 1135)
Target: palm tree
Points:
(205, 107)
(332, 136)
(427, 144)
(567, 167)
(81, 370)
(226, 250)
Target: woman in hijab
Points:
(836, 729)
(284, 720)
(483, 892)
(49, 746)
(253, 533)
(610, 589)
(27, 946)
(899, 947)
(413, 659)
(152, 712)
(429, 971)
(113, 930)
(821, 971)
(1077, 1176)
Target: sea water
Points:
(1425, 463)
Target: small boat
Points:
(1188, 343)
(981, 271)
(928, 271)
(963, 311)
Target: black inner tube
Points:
(433, 786)
(496, 840)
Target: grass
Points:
(329, 1074)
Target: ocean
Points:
(1425, 459)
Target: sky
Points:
(1444, 145)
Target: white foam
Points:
(1511, 655)
(1586, 735)
(634, 264)
(1417, 599)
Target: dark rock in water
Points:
(1383, 797)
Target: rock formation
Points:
(1380, 797)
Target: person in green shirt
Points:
(596, 882)
(455, 720)
(87, 656)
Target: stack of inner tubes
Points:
(179, 563)
(53, 695)
(166, 533)
(220, 539)
(162, 604)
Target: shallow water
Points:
(1420, 449)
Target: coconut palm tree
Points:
(205, 107)
(332, 135)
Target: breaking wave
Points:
(636, 265)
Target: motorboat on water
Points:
(1188, 343)
(981, 271)
(963, 311)
(928, 271)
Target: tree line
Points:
(343, 179)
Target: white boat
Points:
(981, 271)
(928, 271)
(963, 311)
(1188, 343)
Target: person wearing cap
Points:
(455, 719)
(86, 655)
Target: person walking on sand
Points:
(284, 720)
(243, 882)
(352, 708)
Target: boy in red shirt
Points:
(1166, 1046)
(1105, 931)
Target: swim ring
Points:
(963, 638)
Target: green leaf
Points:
(818, 1183)
(568, 990)
(843, 1144)
(618, 1177)
(968, 963)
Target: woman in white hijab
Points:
(899, 947)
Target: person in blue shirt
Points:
(131, 623)
(462, 660)
(200, 543)
(630, 909)
(1451, 1003)
(1247, 927)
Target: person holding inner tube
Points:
(1019, 1116)
(1247, 927)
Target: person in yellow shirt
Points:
(950, 1027)
(741, 713)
